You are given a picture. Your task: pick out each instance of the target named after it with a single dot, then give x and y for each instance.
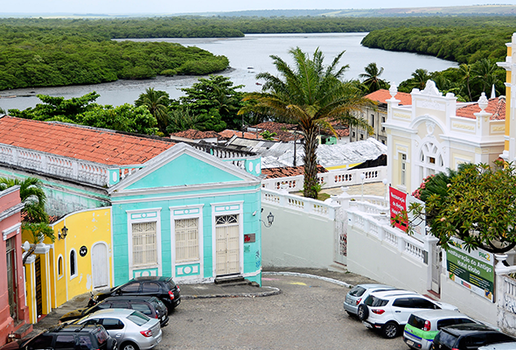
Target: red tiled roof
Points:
(227, 134)
(495, 106)
(193, 134)
(383, 95)
(90, 144)
(274, 173)
(281, 130)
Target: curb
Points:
(273, 291)
(327, 279)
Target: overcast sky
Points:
(177, 6)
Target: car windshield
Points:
(416, 321)
(138, 318)
(357, 291)
(171, 284)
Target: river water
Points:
(248, 56)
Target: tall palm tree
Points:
(372, 78)
(32, 195)
(310, 95)
(484, 74)
(465, 73)
(157, 103)
(419, 79)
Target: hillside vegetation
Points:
(53, 52)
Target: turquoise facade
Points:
(186, 185)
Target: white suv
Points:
(389, 311)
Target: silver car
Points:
(359, 293)
(132, 329)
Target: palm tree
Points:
(372, 78)
(484, 74)
(32, 195)
(465, 73)
(419, 79)
(157, 103)
(310, 95)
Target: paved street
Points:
(308, 314)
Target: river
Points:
(248, 56)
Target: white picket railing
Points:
(378, 225)
(298, 203)
(63, 167)
(331, 179)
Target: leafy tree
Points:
(157, 103)
(57, 107)
(310, 95)
(372, 78)
(475, 204)
(32, 196)
(465, 76)
(126, 118)
(418, 80)
(217, 97)
(181, 119)
(39, 231)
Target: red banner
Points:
(398, 204)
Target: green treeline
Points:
(56, 52)
(57, 60)
(460, 44)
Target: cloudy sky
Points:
(176, 6)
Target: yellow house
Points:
(78, 261)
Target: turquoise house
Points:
(190, 215)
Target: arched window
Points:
(430, 160)
(73, 263)
(60, 270)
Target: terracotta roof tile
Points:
(193, 134)
(274, 173)
(495, 106)
(282, 131)
(227, 134)
(383, 95)
(90, 144)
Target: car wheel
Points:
(128, 346)
(390, 330)
(363, 312)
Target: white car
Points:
(359, 293)
(389, 311)
(132, 329)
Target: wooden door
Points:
(100, 265)
(227, 232)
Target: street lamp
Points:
(270, 220)
(362, 177)
(385, 182)
(63, 233)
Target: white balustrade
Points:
(298, 203)
(331, 179)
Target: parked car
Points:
(468, 336)
(132, 329)
(72, 337)
(161, 287)
(499, 346)
(359, 293)
(423, 326)
(148, 305)
(389, 311)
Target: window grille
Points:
(144, 244)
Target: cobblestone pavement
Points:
(308, 314)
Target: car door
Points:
(144, 308)
(402, 309)
(132, 288)
(115, 328)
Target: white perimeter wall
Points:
(383, 262)
(297, 238)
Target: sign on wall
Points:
(397, 204)
(473, 270)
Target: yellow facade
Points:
(67, 267)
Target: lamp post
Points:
(385, 182)
(362, 177)
(63, 233)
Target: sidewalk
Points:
(212, 290)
